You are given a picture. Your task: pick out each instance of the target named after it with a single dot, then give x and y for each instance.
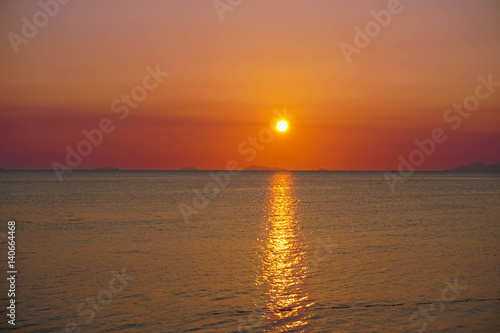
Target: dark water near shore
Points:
(273, 252)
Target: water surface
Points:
(273, 252)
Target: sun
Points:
(281, 125)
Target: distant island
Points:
(106, 169)
(478, 166)
(189, 169)
(262, 168)
(321, 169)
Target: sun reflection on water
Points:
(284, 265)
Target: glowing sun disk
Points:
(281, 125)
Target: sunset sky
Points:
(227, 76)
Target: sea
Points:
(258, 251)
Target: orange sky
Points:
(226, 78)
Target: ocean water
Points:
(272, 252)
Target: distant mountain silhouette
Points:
(262, 168)
(189, 168)
(106, 169)
(478, 166)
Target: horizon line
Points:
(283, 170)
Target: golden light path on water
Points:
(284, 265)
